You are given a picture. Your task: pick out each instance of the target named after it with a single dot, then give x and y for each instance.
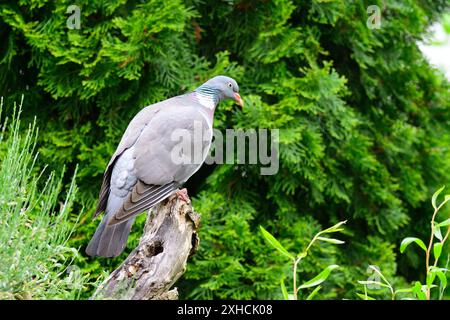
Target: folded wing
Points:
(142, 197)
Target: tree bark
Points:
(169, 239)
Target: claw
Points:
(183, 195)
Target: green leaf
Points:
(284, 290)
(440, 273)
(437, 232)
(437, 250)
(405, 290)
(434, 197)
(364, 297)
(444, 223)
(335, 228)
(407, 241)
(274, 243)
(312, 294)
(446, 23)
(321, 277)
(430, 278)
(442, 278)
(417, 290)
(370, 282)
(331, 240)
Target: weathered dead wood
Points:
(170, 237)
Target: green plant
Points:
(434, 249)
(379, 284)
(296, 259)
(34, 224)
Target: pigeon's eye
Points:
(229, 85)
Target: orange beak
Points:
(238, 99)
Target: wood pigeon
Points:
(142, 173)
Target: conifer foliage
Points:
(363, 122)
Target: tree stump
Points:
(169, 239)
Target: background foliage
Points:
(364, 122)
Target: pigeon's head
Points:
(225, 88)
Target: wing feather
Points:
(104, 192)
(141, 198)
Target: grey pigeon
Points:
(142, 172)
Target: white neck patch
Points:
(206, 100)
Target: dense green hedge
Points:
(363, 117)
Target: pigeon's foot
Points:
(183, 195)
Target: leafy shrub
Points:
(296, 259)
(434, 272)
(34, 224)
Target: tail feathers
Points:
(109, 241)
